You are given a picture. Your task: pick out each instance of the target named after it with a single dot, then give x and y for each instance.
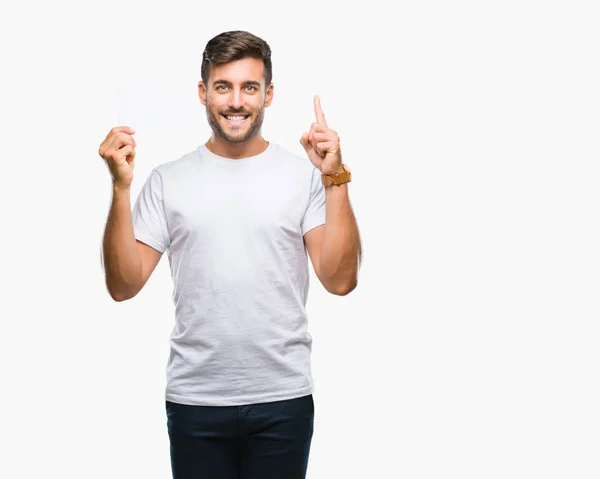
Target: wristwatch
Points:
(338, 179)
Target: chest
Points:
(236, 207)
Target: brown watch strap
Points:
(338, 179)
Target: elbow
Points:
(342, 289)
(119, 298)
(120, 295)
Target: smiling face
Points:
(235, 97)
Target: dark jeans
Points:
(256, 441)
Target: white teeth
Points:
(236, 118)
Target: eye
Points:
(251, 88)
(220, 87)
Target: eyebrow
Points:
(225, 82)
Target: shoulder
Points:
(297, 163)
(177, 167)
(167, 177)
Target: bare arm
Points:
(128, 263)
(335, 247)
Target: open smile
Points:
(236, 120)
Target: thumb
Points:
(304, 142)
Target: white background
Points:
(470, 348)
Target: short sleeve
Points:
(148, 214)
(315, 212)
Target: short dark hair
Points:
(236, 45)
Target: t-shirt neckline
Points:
(204, 150)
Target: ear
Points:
(202, 92)
(269, 95)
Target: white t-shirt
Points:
(233, 231)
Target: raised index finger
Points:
(319, 112)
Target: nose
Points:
(236, 100)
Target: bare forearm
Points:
(341, 250)
(121, 257)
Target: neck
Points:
(254, 146)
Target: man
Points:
(237, 217)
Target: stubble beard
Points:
(255, 125)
